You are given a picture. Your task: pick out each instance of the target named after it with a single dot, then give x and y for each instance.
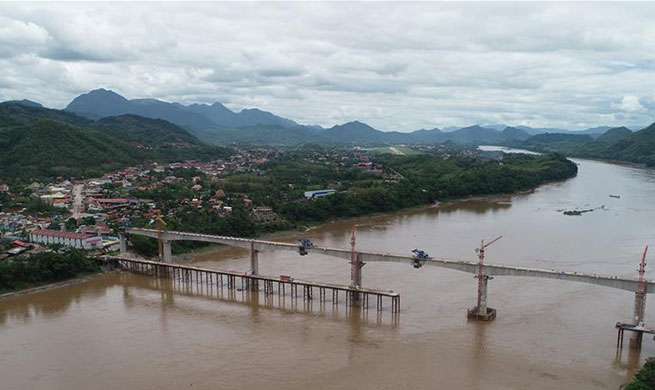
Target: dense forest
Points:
(23, 272)
(428, 179)
(39, 142)
(618, 144)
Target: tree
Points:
(645, 378)
(71, 224)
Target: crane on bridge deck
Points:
(637, 327)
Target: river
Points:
(126, 331)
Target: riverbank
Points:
(27, 272)
(625, 163)
(51, 286)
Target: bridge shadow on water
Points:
(241, 296)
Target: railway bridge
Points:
(358, 258)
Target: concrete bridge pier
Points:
(167, 253)
(638, 319)
(123, 243)
(254, 265)
(356, 265)
(481, 312)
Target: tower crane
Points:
(160, 229)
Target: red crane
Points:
(482, 278)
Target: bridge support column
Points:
(254, 260)
(638, 319)
(254, 266)
(481, 312)
(356, 265)
(167, 255)
(123, 243)
(356, 271)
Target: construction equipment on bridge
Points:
(356, 264)
(481, 311)
(639, 310)
(419, 258)
(160, 229)
(304, 244)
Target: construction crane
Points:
(419, 257)
(160, 230)
(640, 294)
(482, 278)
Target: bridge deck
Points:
(618, 282)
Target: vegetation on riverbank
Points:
(24, 272)
(427, 179)
(408, 181)
(645, 378)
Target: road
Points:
(77, 206)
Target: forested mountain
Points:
(616, 144)
(217, 124)
(353, 133)
(36, 142)
(615, 134)
(18, 113)
(639, 147)
(145, 132)
(49, 148)
(557, 141)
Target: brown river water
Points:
(126, 331)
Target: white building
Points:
(319, 193)
(73, 240)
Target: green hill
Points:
(51, 148)
(18, 113)
(639, 147)
(145, 132)
(615, 134)
(618, 143)
(40, 142)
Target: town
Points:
(86, 214)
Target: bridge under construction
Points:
(358, 258)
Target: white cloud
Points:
(630, 103)
(397, 66)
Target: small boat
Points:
(615, 196)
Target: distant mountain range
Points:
(217, 124)
(36, 141)
(101, 103)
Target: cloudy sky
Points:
(396, 66)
